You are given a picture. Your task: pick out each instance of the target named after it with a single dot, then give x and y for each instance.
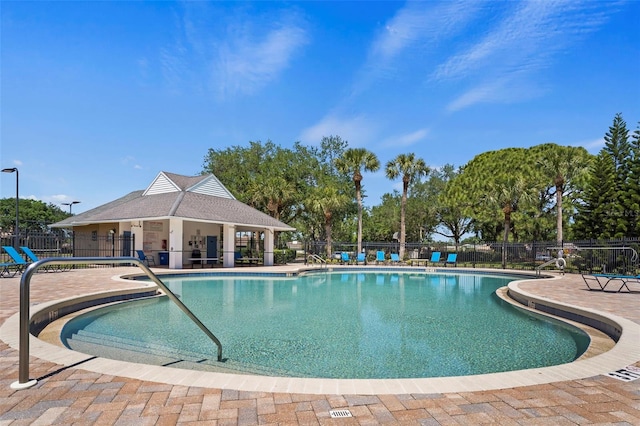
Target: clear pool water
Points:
(338, 325)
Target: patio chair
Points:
(435, 257)
(395, 259)
(345, 258)
(34, 258)
(146, 258)
(8, 270)
(18, 261)
(603, 280)
(380, 257)
(452, 258)
(362, 258)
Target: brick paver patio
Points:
(71, 395)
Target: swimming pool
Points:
(360, 324)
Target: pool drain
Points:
(340, 413)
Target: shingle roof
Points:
(184, 204)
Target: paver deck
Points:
(76, 395)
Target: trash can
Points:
(163, 257)
(195, 255)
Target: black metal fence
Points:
(50, 245)
(587, 256)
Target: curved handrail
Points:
(549, 262)
(23, 354)
(318, 259)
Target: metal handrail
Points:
(318, 259)
(23, 354)
(549, 262)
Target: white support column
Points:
(228, 246)
(136, 233)
(176, 229)
(268, 247)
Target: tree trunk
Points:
(359, 199)
(327, 230)
(559, 236)
(507, 226)
(403, 205)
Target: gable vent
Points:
(161, 185)
(213, 187)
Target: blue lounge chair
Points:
(34, 258)
(362, 258)
(435, 257)
(30, 254)
(380, 257)
(18, 261)
(601, 281)
(148, 259)
(452, 258)
(345, 258)
(8, 269)
(395, 259)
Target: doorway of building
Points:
(212, 248)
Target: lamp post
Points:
(16, 229)
(70, 204)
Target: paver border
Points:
(624, 353)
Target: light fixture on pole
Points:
(16, 230)
(70, 204)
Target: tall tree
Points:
(565, 168)
(353, 162)
(618, 147)
(327, 200)
(497, 181)
(595, 219)
(34, 216)
(452, 207)
(410, 168)
(631, 191)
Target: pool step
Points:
(124, 349)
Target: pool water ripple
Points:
(345, 325)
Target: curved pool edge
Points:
(626, 352)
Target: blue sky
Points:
(99, 97)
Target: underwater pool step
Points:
(152, 353)
(138, 346)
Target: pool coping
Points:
(625, 352)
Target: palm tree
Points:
(508, 195)
(352, 162)
(326, 200)
(562, 165)
(410, 168)
(271, 193)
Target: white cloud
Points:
(593, 146)
(230, 51)
(407, 139)
(356, 130)
(419, 23)
(58, 198)
(525, 41)
(415, 28)
(245, 64)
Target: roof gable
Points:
(170, 182)
(162, 184)
(211, 186)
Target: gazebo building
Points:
(177, 220)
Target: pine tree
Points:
(618, 147)
(632, 186)
(597, 217)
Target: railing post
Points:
(25, 284)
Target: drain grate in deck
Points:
(340, 413)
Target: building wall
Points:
(195, 237)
